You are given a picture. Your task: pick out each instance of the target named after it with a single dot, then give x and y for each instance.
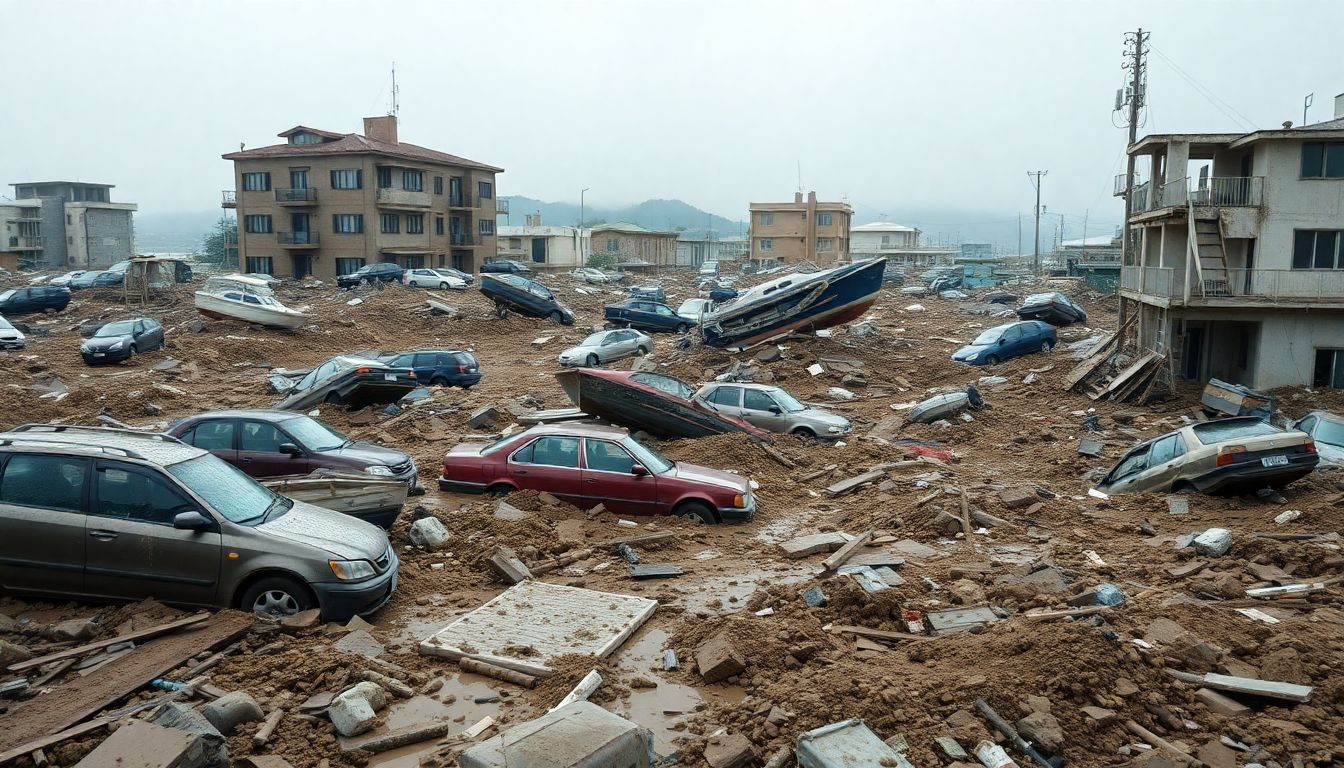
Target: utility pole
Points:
(1019, 237)
(582, 192)
(1136, 50)
(1036, 241)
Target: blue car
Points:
(1007, 341)
(440, 367)
(650, 291)
(647, 316)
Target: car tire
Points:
(443, 286)
(333, 398)
(130, 355)
(683, 328)
(992, 360)
(593, 361)
(501, 311)
(438, 381)
(695, 512)
(276, 596)
(642, 351)
(1047, 347)
(499, 489)
(1183, 486)
(363, 281)
(803, 433)
(557, 318)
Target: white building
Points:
(1239, 273)
(897, 243)
(545, 248)
(694, 251)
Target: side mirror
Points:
(1001, 341)
(775, 410)
(638, 470)
(291, 449)
(191, 521)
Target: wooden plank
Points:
(876, 634)
(1088, 365)
(647, 538)
(1267, 688)
(101, 644)
(404, 737)
(1134, 369)
(854, 483)
(842, 554)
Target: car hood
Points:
(579, 351)
(103, 342)
(1330, 454)
(10, 334)
(345, 537)
(369, 453)
(820, 417)
(969, 351)
(698, 474)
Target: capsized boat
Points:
(373, 499)
(795, 302)
(945, 406)
(249, 299)
(660, 405)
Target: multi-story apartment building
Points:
(324, 204)
(635, 246)
(59, 224)
(804, 230)
(898, 244)
(1239, 269)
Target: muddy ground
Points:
(1084, 676)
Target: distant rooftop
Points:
(882, 226)
(628, 228)
(61, 183)
(332, 143)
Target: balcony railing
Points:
(1249, 285)
(1120, 185)
(1156, 281)
(402, 197)
(228, 198)
(461, 200)
(25, 242)
(1217, 191)
(1140, 199)
(502, 206)
(296, 238)
(231, 237)
(296, 195)
(461, 238)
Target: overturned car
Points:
(657, 404)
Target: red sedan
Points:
(589, 464)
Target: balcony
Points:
(1237, 287)
(460, 238)
(1211, 192)
(502, 206)
(297, 239)
(231, 237)
(228, 199)
(462, 200)
(401, 198)
(1119, 190)
(296, 196)
(25, 243)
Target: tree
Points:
(220, 245)
(602, 260)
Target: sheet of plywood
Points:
(531, 623)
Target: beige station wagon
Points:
(115, 514)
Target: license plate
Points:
(98, 354)
(1274, 461)
(390, 376)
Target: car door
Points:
(218, 436)
(757, 409)
(153, 334)
(667, 318)
(726, 399)
(616, 345)
(1122, 479)
(1011, 345)
(1165, 464)
(42, 536)
(609, 479)
(139, 336)
(134, 552)
(259, 451)
(426, 366)
(549, 463)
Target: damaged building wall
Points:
(1276, 349)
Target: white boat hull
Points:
(214, 306)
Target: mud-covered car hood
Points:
(698, 474)
(343, 536)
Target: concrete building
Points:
(694, 250)
(325, 204)
(804, 230)
(67, 224)
(898, 244)
(635, 246)
(1239, 270)
(546, 248)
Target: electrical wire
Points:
(1222, 106)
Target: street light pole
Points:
(581, 193)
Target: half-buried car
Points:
(350, 381)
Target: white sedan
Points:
(433, 278)
(695, 308)
(595, 275)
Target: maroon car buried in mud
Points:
(589, 464)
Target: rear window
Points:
(1232, 429)
(49, 482)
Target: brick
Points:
(718, 660)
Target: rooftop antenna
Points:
(1306, 104)
(396, 101)
(799, 163)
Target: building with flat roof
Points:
(804, 230)
(66, 224)
(695, 249)
(635, 246)
(898, 244)
(325, 204)
(546, 248)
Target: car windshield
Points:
(122, 328)
(690, 305)
(228, 491)
(594, 340)
(6, 294)
(315, 435)
(990, 336)
(1041, 298)
(4, 325)
(1330, 433)
(787, 402)
(1232, 429)
(652, 460)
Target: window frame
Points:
(264, 219)
(95, 498)
(584, 450)
(763, 394)
(438, 185)
(389, 224)
(339, 177)
(531, 448)
(1300, 236)
(248, 181)
(767, 243)
(84, 491)
(356, 220)
(825, 219)
(767, 218)
(485, 190)
(412, 180)
(1329, 162)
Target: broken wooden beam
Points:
(842, 554)
(875, 634)
(647, 538)
(81, 650)
(402, 737)
(1162, 744)
(485, 668)
(569, 558)
(267, 728)
(854, 483)
(582, 691)
(1250, 686)
(779, 458)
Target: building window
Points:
(438, 185)
(415, 223)
(348, 266)
(515, 243)
(413, 181)
(1317, 249)
(416, 261)
(1329, 369)
(823, 219)
(347, 223)
(257, 223)
(485, 190)
(886, 240)
(69, 219)
(486, 227)
(767, 244)
(389, 223)
(613, 245)
(347, 178)
(438, 225)
(384, 177)
(1322, 161)
(259, 181)
(260, 265)
(825, 244)
(303, 137)
(767, 218)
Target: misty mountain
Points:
(665, 215)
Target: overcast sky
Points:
(895, 106)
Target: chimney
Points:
(1339, 106)
(797, 197)
(381, 128)
(812, 198)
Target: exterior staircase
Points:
(1206, 241)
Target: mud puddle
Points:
(454, 702)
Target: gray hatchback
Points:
(91, 512)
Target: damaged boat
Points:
(795, 302)
(249, 299)
(660, 405)
(376, 500)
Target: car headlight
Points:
(351, 570)
(84, 348)
(116, 345)
(378, 469)
(835, 430)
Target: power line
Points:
(1203, 90)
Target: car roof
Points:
(578, 429)
(272, 415)
(100, 441)
(742, 384)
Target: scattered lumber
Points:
(402, 737)
(842, 554)
(479, 667)
(87, 648)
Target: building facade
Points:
(325, 204)
(804, 230)
(545, 248)
(635, 246)
(1239, 269)
(66, 224)
(898, 244)
(692, 251)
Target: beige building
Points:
(804, 230)
(325, 204)
(635, 246)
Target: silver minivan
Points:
(773, 409)
(117, 514)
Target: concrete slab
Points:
(138, 744)
(550, 619)
(579, 735)
(812, 545)
(959, 619)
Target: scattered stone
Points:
(1018, 497)
(1091, 448)
(1215, 542)
(145, 745)
(231, 710)
(862, 329)
(506, 511)
(814, 597)
(505, 563)
(729, 750)
(949, 749)
(1043, 729)
(1178, 505)
(428, 533)
(717, 659)
(208, 749)
(966, 727)
(839, 393)
(72, 629)
(485, 417)
(769, 354)
(817, 543)
(1099, 715)
(302, 620)
(1219, 704)
(354, 710)
(361, 642)
(196, 326)
(12, 652)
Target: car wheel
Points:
(1182, 486)
(438, 381)
(276, 596)
(592, 361)
(443, 286)
(682, 327)
(992, 360)
(803, 433)
(642, 351)
(130, 356)
(333, 398)
(695, 512)
(501, 311)
(557, 318)
(363, 281)
(499, 489)
(1046, 347)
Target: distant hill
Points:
(653, 214)
(173, 232)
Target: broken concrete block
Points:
(548, 499)
(1091, 448)
(12, 652)
(1016, 498)
(1178, 505)
(484, 417)
(361, 642)
(1098, 715)
(717, 659)
(145, 745)
(862, 329)
(729, 750)
(73, 629)
(208, 748)
(1219, 704)
(505, 563)
(814, 597)
(428, 533)
(302, 620)
(353, 711)
(769, 354)
(949, 750)
(966, 728)
(231, 710)
(817, 543)
(1043, 729)
(1215, 542)
(506, 511)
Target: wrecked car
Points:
(353, 382)
(439, 367)
(1003, 342)
(773, 409)
(39, 298)
(504, 266)
(694, 309)
(433, 278)
(526, 297)
(1054, 308)
(11, 337)
(1226, 456)
(380, 272)
(1327, 429)
(590, 464)
(219, 538)
(946, 406)
(650, 291)
(595, 275)
(122, 340)
(648, 315)
(660, 405)
(606, 346)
